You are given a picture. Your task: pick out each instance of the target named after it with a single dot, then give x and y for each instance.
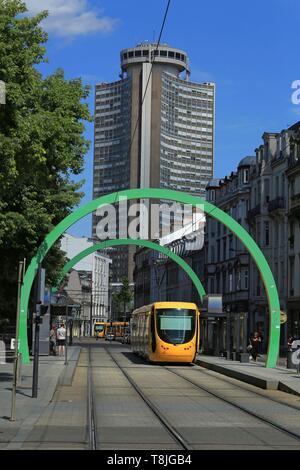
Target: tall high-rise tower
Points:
(153, 128)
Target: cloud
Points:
(70, 18)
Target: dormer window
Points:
(212, 195)
(246, 176)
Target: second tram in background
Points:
(100, 329)
(166, 331)
(117, 327)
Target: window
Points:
(258, 234)
(282, 185)
(212, 195)
(292, 188)
(246, 279)
(246, 176)
(292, 234)
(130, 54)
(230, 282)
(267, 190)
(177, 56)
(224, 248)
(292, 273)
(231, 251)
(125, 55)
(267, 233)
(224, 283)
(218, 251)
(277, 186)
(163, 53)
(146, 53)
(282, 273)
(175, 326)
(138, 53)
(218, 282)
(212, 254)
(171, 54)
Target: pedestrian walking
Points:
(53, 339)
(255, 342)
(260, 343)
(61, 339)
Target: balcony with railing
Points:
(253, 212)
(276, 204)
(295, 204)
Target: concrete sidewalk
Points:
(52, 372)
(280, 378)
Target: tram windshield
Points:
(99, 328)
(176, 325)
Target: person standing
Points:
(61, 339)
(290, 341)
(255, 342)
(52, 339)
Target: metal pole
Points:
(228, 332)
(71, 333)
(36, 357)
(16, 355)
(36, 337)
(66, 341)
(91, 317)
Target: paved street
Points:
(186, 407)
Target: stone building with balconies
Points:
(226, 259)
(273, 226)
(293, 193)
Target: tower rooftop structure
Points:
(163, 54)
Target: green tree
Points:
(42, 145)
(123, 300)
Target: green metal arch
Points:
(146, 243)
(151, 193)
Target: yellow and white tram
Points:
(166, 331)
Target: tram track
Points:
(92, 426)
(265, 420)
(179, 439)
(229, 380)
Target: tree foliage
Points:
(122, 300)
(41, 146)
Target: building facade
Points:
(158, 278)
(227, 263)
(270, 197)
(293, 194)
(94, 277)
(274, 226)
(153, 129)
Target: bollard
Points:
(244, 358)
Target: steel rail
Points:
(92, 428)
(172, 431)
(241, 408)
(229, 379)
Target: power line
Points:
(152, 62)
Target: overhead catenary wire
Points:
(145, 93)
